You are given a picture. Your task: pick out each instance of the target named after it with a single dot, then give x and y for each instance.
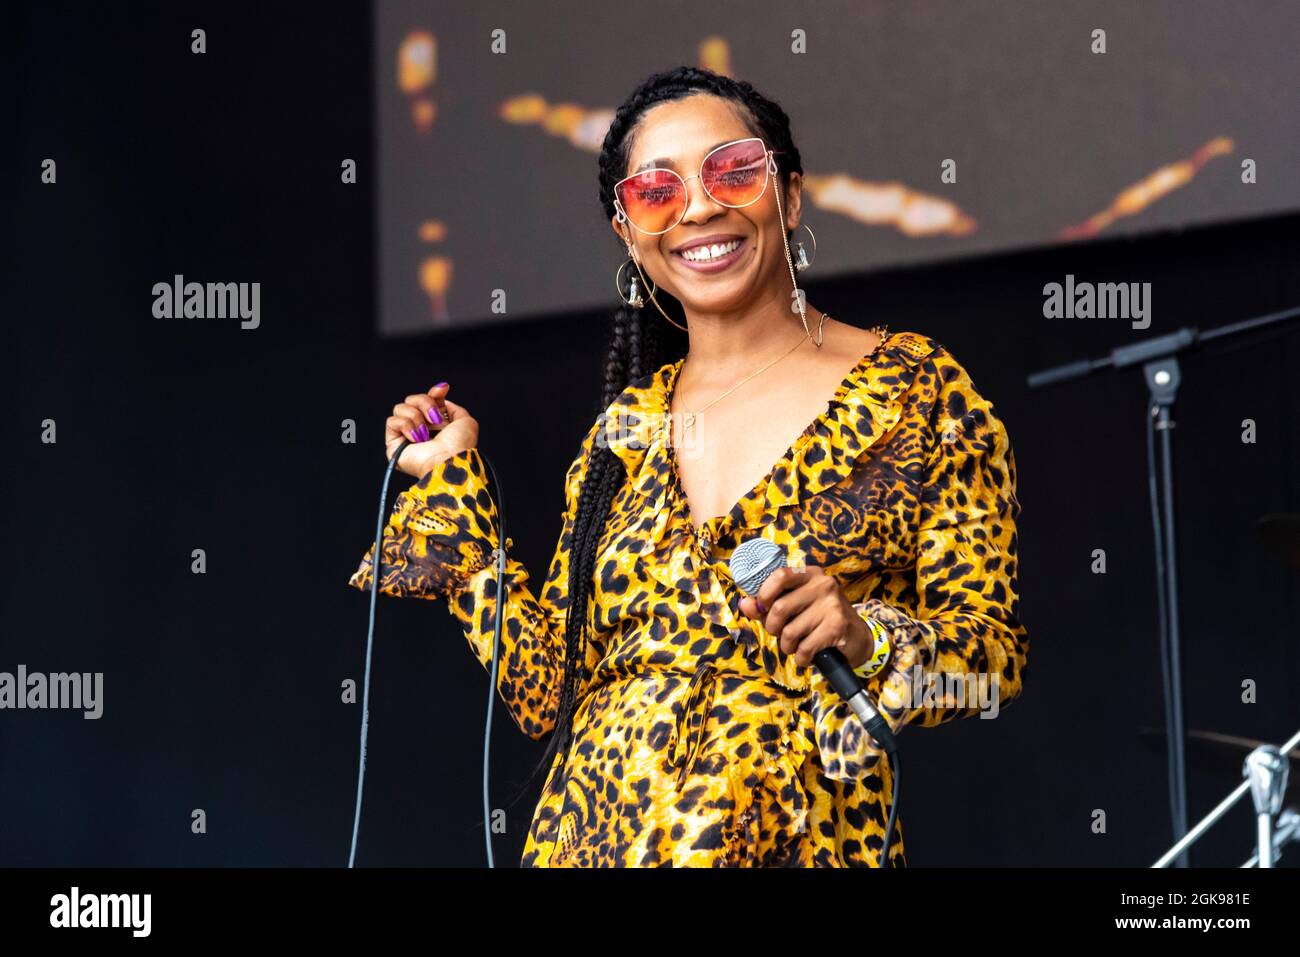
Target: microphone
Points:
(751, 563)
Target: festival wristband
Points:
(879, 650)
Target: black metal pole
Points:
(1158, 356)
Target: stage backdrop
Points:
(927, 130)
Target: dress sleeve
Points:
(962, 650)
(439, 544)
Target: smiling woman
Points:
(734, 174)
(686, 725)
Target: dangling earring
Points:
(789, 260)
(633, 297)
(802, 261)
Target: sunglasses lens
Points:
(654, 200)
(736, 175)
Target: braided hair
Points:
(640, 342)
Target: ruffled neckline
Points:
(638, 428)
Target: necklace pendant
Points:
(688, 428)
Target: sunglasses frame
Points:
(768, 173)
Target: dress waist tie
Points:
(688, 732)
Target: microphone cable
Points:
(376, 566)
(893, 809)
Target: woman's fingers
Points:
(431, 408)
(435, 429)
(439, 395)
(422, 414)
(427, 409)
(819, 624)
(451, 410)
(759, 605)
(821, 631)
(782, 619)
(783, 602)
(802, 607)
(409, 420)
(780, 581)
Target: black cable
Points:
(893, 811)
(498, 618)
(376, 564)
(370, 642)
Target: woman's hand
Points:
(437, 429)
(806, 610)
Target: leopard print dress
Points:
(696, 740)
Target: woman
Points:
(689, 726)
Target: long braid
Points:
(605, 475)
(639, 345)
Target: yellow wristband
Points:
(879, 650)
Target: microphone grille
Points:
(753, 561)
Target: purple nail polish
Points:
(422, 433)
(439, 385)
(760, 606)
(433, 416)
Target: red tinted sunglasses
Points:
(734, 174)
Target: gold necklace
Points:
(688, 418)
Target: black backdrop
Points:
(222, 691)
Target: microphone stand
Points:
(1287, 830)
(1265, 770)
(1163, 375)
